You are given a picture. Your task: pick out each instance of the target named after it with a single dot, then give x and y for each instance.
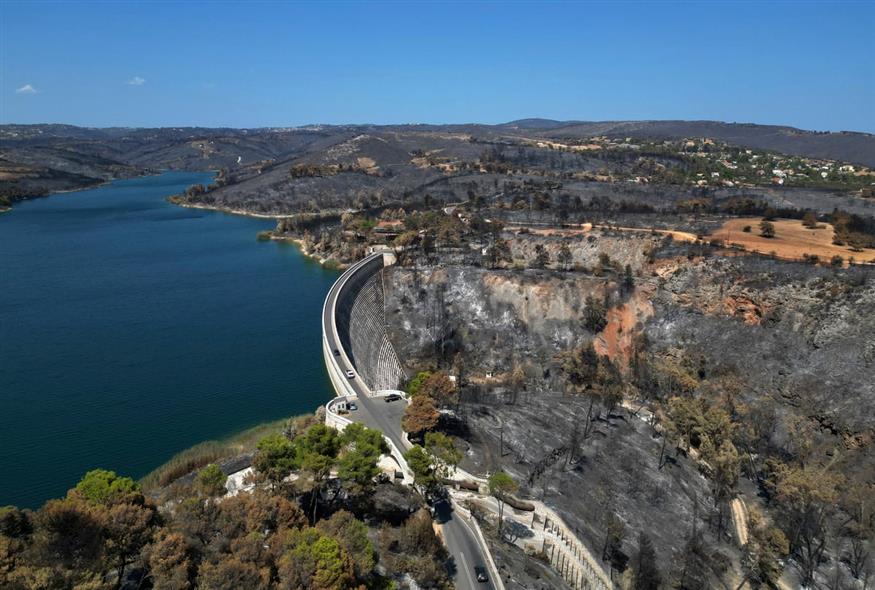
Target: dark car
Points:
(480, 572)
(392, 397)
(336, 352)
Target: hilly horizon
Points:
(856, 147)
(529, 123)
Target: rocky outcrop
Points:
(489, 319)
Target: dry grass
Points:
(792, 240)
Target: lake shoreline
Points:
(160, 283)
(327, 263)
(176, 201)
(223, 450)
(98, 184)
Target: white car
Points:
(350, 375)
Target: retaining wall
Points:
(361, 326)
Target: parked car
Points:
(352, 406)
(480, 572)
(392, 397)
(350, 374)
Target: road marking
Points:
(467, 571)
(476, 539)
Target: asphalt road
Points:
(459, 538)
(463, 547)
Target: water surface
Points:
(131, 328)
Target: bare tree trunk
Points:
(588, 415)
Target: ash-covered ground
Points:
(616, 469)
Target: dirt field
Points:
(791, 240)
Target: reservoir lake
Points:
(131, 329)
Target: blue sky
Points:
(811, 65)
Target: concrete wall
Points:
(361, 326)
(332, 418)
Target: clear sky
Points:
(807, 64)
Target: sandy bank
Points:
(230, 210)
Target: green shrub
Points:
(211, 480)
(100, 486)
(415, 383)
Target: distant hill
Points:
(849, 146)
(354, 164)
(855, 147)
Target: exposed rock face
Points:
(625, 321)
(588, 247)
(494, 318)
(795, 340)
(744, 307)
(499, 318)
(795, 331)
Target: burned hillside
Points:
(664, 383)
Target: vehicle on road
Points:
(352, 406)
(336, 352)
(480, 572)
(350, 374)
(392, 397)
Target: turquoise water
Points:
(131, 328)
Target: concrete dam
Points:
(361, 327)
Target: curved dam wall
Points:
(361, 327)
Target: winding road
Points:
(462, 543)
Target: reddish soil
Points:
(616, 341)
